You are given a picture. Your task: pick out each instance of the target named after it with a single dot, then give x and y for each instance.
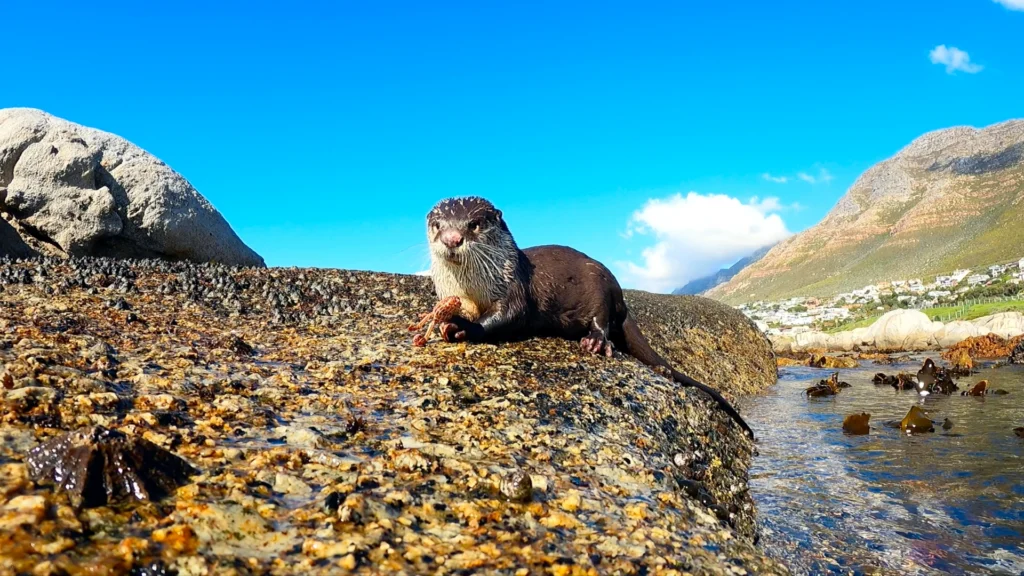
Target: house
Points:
(936, 294)
(915, 286)
(865, 294)
(997, 269)
(1020, 265)
(976, 279)
(953, 279)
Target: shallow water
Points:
(949, 502)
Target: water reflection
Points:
(950, 502)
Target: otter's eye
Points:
(474, 226)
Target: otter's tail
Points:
(636, 345)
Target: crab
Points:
(444, 311)
(97, 466)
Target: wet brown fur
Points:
(544, 291)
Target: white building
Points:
(1020, 265)
(976, 279)
(953, 279)
(997, 269)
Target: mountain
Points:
(706, 283)
(951, 199)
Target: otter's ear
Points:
(498, 215)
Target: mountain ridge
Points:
(705, 283)
(951, 198)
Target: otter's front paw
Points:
(452, 332)
(596, 343)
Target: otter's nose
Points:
(451, 238)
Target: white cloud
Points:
(954, 58)
(422, 273)
(776, 179)
(697, 234)
(823, 177)
(1012, 4)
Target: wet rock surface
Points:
(325, 442)
(1017, 355)
(990, 346)
(707, 340)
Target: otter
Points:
(511, 294)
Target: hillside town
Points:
(800, 314)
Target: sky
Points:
(665, 139)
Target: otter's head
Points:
(467, 231)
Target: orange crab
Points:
(444, 311)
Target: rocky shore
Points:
(902, 331)
(323, 442)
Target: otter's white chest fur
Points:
(474, 289)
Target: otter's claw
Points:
(451, 332)
(596, 343)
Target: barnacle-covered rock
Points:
(517, 486)
(824, 361)
(337, 446)
(98, 466)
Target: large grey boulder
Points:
(85, 192)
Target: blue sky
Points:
(325, 131)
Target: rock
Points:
(831, 362)
(989, 346)
(97, 466)
(958, 331)
(1005, 324)
(977, 390)
(811, 341)
(291, 485)
(517, 486)
(963, 364)
(841, 342)
(93, 193)
(412, 441)
(22, 510)
(916, 421)
(903, 330)
(782, 344)
(706, 340)
(1017, 355)
(896, 331)
(857, 424)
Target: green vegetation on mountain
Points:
(951, 199)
